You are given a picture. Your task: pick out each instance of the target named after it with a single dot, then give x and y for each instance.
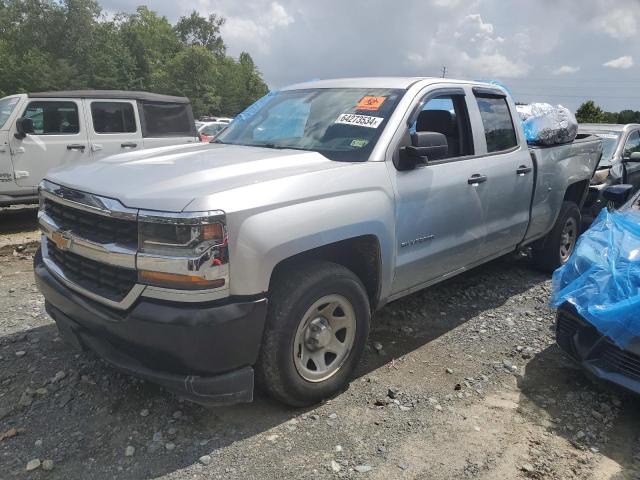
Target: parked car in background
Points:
(41, 131)
(217, 119)
(208, 130)
(268, 250)
(618, 164)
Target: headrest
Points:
(441, 121)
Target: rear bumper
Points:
(600, 357)
(204, 352)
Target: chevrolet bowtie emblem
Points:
(62, 241)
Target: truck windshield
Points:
(609, 143)
(342, 124)
(6, 108)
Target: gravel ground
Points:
(462, 380)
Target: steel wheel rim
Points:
(568, 239)
(324, 338)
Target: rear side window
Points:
(53, 118)
(498, 125)
(113, 117)
(167, 119)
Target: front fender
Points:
(263, 239)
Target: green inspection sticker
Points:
(359, 142)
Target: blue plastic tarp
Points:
(602, 277)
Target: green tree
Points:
(198, 30)
(69, 44)
(192, 73)
(589, 112)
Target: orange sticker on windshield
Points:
(370, 103)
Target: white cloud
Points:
(623, 62)
(565, 70)
(619, 23)
(257, 32)
(474, 49)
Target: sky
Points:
(555, 51)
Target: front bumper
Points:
(204, 352)
(597, 354)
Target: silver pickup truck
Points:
(265, 253)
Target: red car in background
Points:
(208, 130)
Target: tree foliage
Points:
(589, 112)
(71, 44)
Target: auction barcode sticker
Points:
(360, 120)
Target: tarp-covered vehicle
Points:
(597, 293)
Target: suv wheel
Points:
(317, 327)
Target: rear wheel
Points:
(317, 327)
(559, 244)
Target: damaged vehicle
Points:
(264, 254)
(597, 293)
(620, 163)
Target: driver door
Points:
(440, 209)
(633, 168)
(59, 137)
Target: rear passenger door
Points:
(114, 127)
(506, 164)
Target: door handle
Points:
(77, 147)
(476, 179)
(522, 170)
(128, 145)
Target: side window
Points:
(498, 124)
(632, 145)
(167, 119)
(113, 117)
(447, 114)
(53, 118)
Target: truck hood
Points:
(169, 178)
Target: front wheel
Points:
(317, 328)
(559, 244)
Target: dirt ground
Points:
(462, 380)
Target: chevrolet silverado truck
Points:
(264, 254)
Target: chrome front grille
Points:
(90, 243)
(91, 226)
(112, 283)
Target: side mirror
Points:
(618, 194)
(24, 127)
(634, 157)
(424, 146)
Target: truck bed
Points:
(557, 167)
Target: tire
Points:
(281, 367)
(557, 248)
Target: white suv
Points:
(40, 131)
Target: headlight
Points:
(185, 251)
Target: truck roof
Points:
(111, 94)
(380, 82)
(610, 127)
